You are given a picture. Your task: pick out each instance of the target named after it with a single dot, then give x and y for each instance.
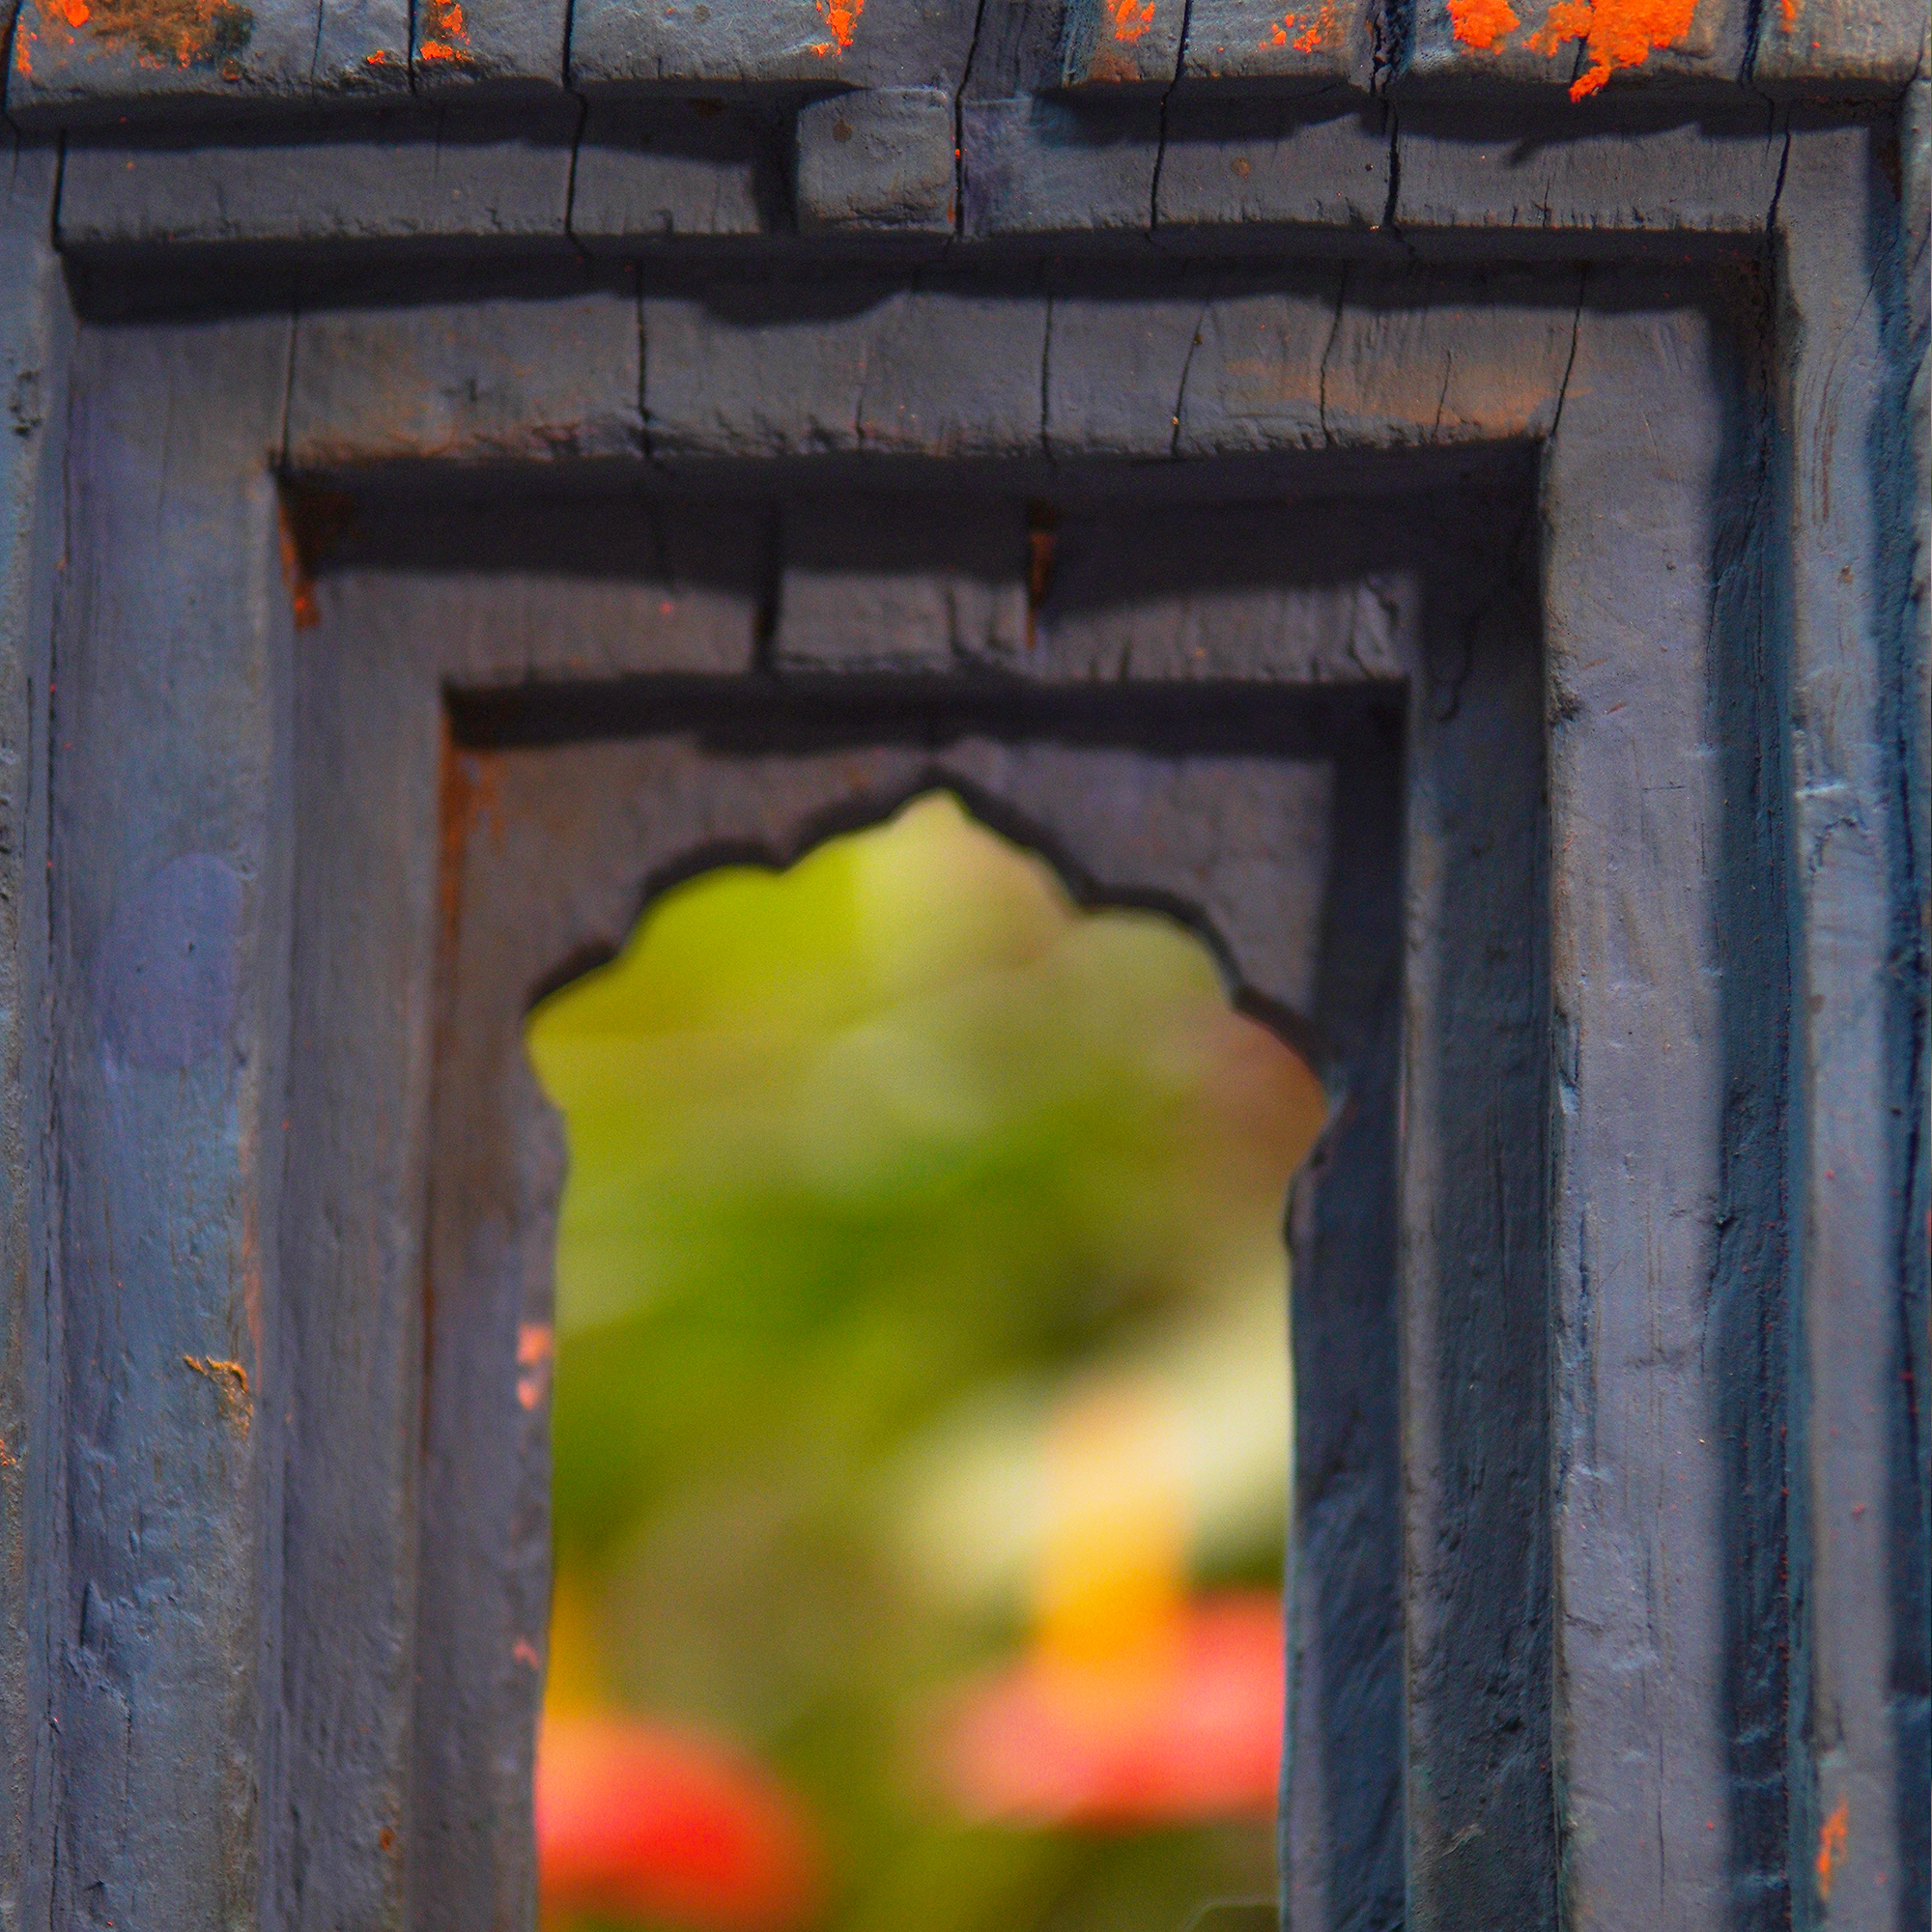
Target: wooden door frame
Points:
(219, 1186)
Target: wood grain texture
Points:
(35, 343)
(1474, 1245)
(499, 381)
(1855, 432)
(430, 177)
(1617, 171)
(709, 44)
(1666, 947)
(1871, 45)
(351, 1239)
(842, 366)
(169, 851)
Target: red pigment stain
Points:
(1788, 15)
(1130, 21)
(450, 34)
(1617, 32)
(1481, 24)
(1832, 1835)
(841, 22)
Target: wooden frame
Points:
(1593, 569)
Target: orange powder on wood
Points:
(841, 22)
(1481, 24)
(1617, 32)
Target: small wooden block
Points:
(880, 158)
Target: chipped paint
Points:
(448, 35)
(231, 1384)
(158, 32)
(1615, 33)
(1129, 19)
(841, 22)
(1832, 1836)
(1481, 24)
(536, 1344)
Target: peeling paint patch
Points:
(841, 22)
(1832, 1836)
(1129, 19)
(1615, 33)
(1481, 24)
(159, 33)
(231, 1384)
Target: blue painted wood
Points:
(168, 855)
(34, 342)
(1854, 456)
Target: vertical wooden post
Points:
(36, 333)
(170, 928)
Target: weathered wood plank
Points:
(1319, 44)
(1862, 45)
(34, 340)
(753, 369)
(409, 174)
(504, 380)
(506, 47)
(1474, 1242)
(671, 170)
(368, 737)
(1268, 164)
(707, 44)
(169, 856)
(1855, 449)
(1620, 171)
(1048, 165)
(1647, 963)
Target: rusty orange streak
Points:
(1481, 24)
(841, 22)
(1130, 21)
(1832, 1835)
(1617, 32)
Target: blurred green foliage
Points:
(870, 1161)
